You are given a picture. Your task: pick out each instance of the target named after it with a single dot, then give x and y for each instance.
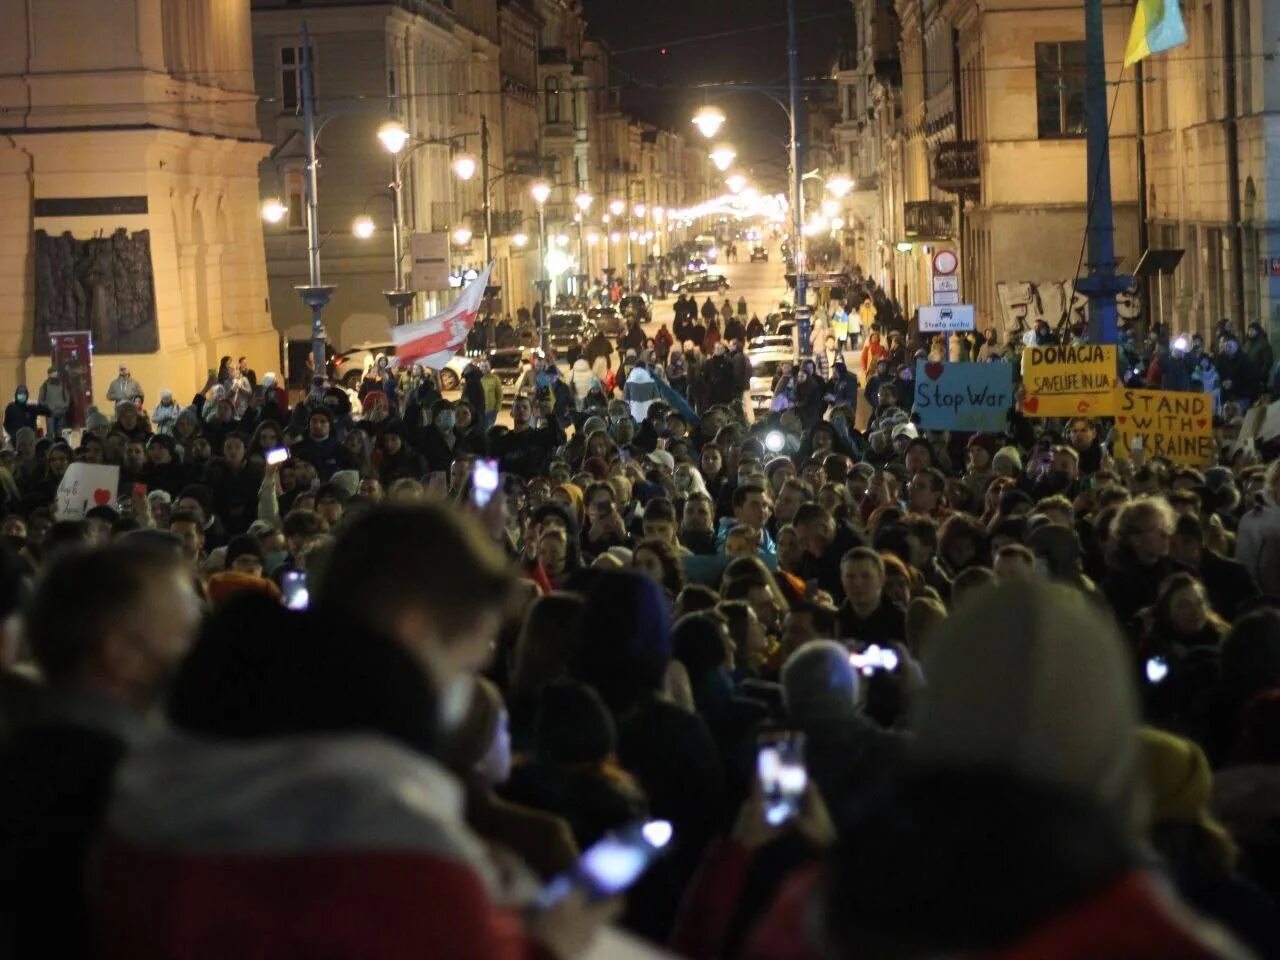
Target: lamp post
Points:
(395, 138)
(315, 294)
(541, 192)
(583, 202)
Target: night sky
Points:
(663, 88)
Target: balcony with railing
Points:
(957, 169)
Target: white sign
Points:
(949, 283)
(430, 252)
(945, 299)
(83, 487)
(944, 319)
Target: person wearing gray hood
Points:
(55, 396)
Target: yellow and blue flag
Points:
(1157, 26)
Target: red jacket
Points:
(293, 849)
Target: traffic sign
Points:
(945, 319)
(946, 299)
(945, 262)
(947, 283)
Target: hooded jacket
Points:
(581, 382)
(320, 845)
(640, 391)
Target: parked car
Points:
(349, 365)
(607, 320)
(567, 333)
(759, 255)
(710, 283)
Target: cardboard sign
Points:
(1172, 424)
(964, 396)
(943, 319)
(1069, 381)
(84, 486)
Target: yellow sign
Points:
(1069, 381)
(1170, 424)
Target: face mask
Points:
(455, 701)
(21, 398)
(446, 421)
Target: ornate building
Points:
(128, 189)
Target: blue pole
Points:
(1102, 286)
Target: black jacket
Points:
(887, 624)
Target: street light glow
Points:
(540, 191)
(723, 156)
(461, 236)
(593, 238)
(464, 166)
(638, 209)
(583, 201)
(615, 237)
(363, 227)
(520, 239)
(658, 213)
(562, 239)
(839, 186)
(830, 207)
(616, 207)
(393, 136)
(273, 211)
(735, 182)
(708, 120)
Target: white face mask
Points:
(455, 701)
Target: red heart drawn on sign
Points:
(1031, 404)
(1201, 423)
(1083, 406)
(101, 497)
(933, 370)
(1121, 419)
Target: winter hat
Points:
(1009, 457)
(348, 481)
(987, 441)
(1223, 494)
(94, 419)
(1180, 785)
(576, 498)
(819, 683)
(1033, 680)
(662, 459)
(223, 586)
(621, 554)
(166, 394)
(907, 430)
(592, 424)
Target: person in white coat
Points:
(1258, 536)
(581, 382)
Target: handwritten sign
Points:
(964, 396)
(1171, 424)
(940, 319)
(1069, 381)
(84, 486)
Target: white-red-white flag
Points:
(433, 341)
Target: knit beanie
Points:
(1180, 785)
(987, 441)
(1007, 456)
(348, 481)
(1033, 680)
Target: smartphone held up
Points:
(783, 775)
(612, 865)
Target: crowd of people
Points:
(309, 684)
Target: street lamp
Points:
(273, 211)
(839, 186)
(723, 157)
(616, 207)
(363, 227)
(709, 120)
(583, 201)
(735, 182)
(461, 236)
(393, 136)
(521, 240)
(464, 166)
(540, 190)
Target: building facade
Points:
(128, 190)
